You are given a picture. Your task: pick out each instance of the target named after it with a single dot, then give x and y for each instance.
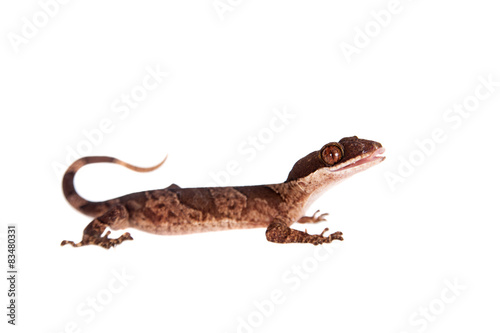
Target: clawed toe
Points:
(320, 239)
(320, 218)
(337, 235)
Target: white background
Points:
(228, 73)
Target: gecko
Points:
(176, 211)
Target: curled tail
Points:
(93, 208)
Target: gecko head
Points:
(336, 161)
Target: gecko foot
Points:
(102, 241)
(281, 233)
(92, 234)
(314, 218)
(320, 239)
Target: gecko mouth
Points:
(368, 159)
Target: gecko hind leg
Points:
(313, 219)
(280, 232)
(92, 234)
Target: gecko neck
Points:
(308, 189)
(300, 193)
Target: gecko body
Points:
(175, 210)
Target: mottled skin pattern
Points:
(175, 210)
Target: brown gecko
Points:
(175, 210)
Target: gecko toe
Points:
(322, 218)
(66, 242)
(337, 236)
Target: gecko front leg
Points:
(92, 235)
(280, 232)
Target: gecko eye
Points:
(331, 153)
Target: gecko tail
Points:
(93, 208)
